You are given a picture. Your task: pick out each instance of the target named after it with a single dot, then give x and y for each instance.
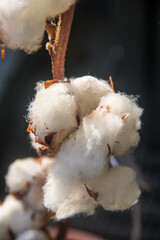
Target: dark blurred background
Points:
(117, 38)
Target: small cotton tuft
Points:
(46, 111)
(126, 108)
(88, 91)
(56, 190)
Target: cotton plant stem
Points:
(63, 228)
(58, 36)
(58, 41)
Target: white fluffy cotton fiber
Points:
(22, 22)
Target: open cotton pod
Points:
(19, 217)
(25, 179)
(52, 114)
(57, 111)
(22, 23)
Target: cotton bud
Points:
(88, 91)
(25, 179)
(23, 22)
(33, 234)
(53, 114)
(126, 108)
(19, 217)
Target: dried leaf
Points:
(19, 194)
(11, 234)
(111, 83)
(3, 52)
(109, 150)
(43, 150)
(78, 119)
(49, 83)
(108, 108)
(92, 194)
(48, 137)
(26, 184)
(125, 116)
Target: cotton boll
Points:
(4, 228)
(53, 110)
(33, 234)
(21, 218)
(85, 153)
(23, 172)
(23, 22)
(88, 91)
(126, 108)
(117, 188)
(25, 179)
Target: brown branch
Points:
(58, 36)
(58, 41)
(63, 228)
